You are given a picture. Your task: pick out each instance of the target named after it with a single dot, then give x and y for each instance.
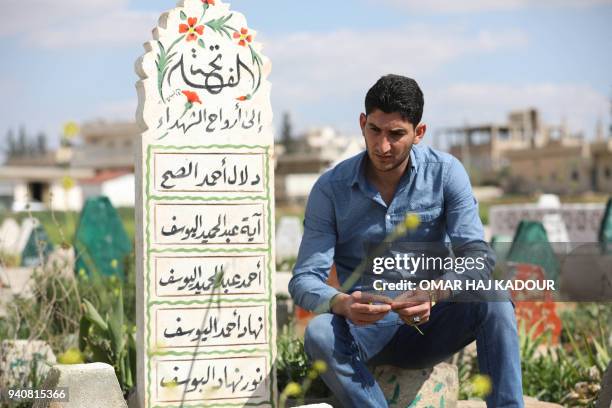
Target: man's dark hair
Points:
(396, 93)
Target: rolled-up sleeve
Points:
(308, 286)
(463, 224)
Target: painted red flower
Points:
(192, 97)
(243, 36)
(209, 2)
(191, 29)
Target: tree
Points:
(287, 133)
(41, 140)
(12, 143)
(22, 142)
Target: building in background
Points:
(525, 156)
(101, 162)
(314, 152)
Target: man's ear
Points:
(362, 122)
(419, 133)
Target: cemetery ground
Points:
(87, 317)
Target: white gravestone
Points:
(9, 235)
(27, 227)
(549, 201)
(288, 238)
(205, 213)
(555, 228)
(582, 221)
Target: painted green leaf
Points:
(183, 15)
(201, 43)
(438, 387)
(442, 402)
(414, 402)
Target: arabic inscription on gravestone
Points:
(205, 213)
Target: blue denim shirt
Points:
(345, 214)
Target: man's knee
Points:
(319, 335)
(500, 312)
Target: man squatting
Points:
(359, 202)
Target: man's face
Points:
(389, 138)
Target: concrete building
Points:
(482, 148)
(101, 162)
(526, 156)
(561, 167)
(601, 151)
(314, 152)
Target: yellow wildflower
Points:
(481, 385)
(319, 366)
(71, 356)
(114, 263)
(67, 183)
(293, 389)
(71, 129)
(412, 221)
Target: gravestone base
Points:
(89, 385)
(19, 357)
(530, 402)
(437, 386)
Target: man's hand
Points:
(359, 307)
(411, 304)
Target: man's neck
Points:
(386, 181)
(389, 178)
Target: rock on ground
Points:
(315, 406)
(89, 385)
(530, 402)
(605, 395)
(18, 358)
(437, 386)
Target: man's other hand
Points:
(411, 304)
(361, 308)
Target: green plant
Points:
(570, 373)
(293, 366)
(110, 340)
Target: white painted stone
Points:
(61, 262)
(555, 228)
(436, 386)
(549, 201)
(27, 226)
(205, 213)
(529, 402)
(582, 221)
(19, 357)
(315, 406)
(89, 385)
(282, 282)
(288, 238)
(17, 280)
(9, 235)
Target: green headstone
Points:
(38, 246)
(605, 229)
(530, 245)
(100, 241)
(501, 245)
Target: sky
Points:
(475, 60)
